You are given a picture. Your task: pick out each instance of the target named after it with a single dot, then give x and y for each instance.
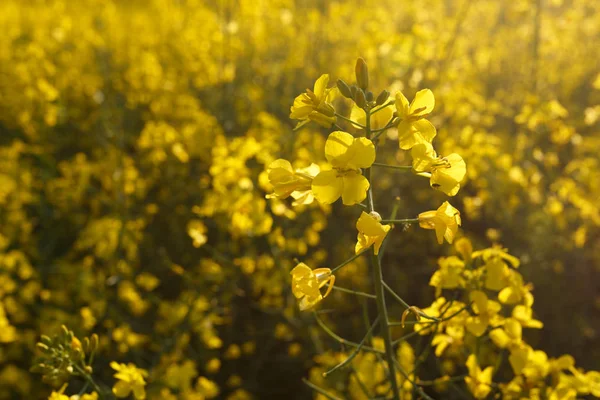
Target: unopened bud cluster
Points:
(63, 356)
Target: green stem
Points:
(400, 221)
(348, 261)
(354, 292)
(340, 339)
(400, 167)
(356, 350)
(349, 120)
(376, 110)
(379, 291)
(319, 390)
(405, 304)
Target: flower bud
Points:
(369, 96)
(344, 88)
(382, 98)
(362, 74)
(360, 99)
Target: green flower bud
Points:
(360, 98)
(362, 74)
(369, 96)
(382, 98)
(344, 88)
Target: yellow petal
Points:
(368, 225)
(321, 86)
(362, 153)
(121, 389)
(338, 148)
(402, 105)
(327, 187)
(358, 115)
(354, 189)
(423, 101)
(423, 156)
(381, 118)
(139, 392)
(426, 131)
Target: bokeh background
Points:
(134, 136)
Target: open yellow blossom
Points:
(445, 220)
(307, 284)
(413, 127)
(314, 105)
(347, 155)
(479, 381)
(130, 379)
(370, 232)
(289, 182)
(445, 173)
(485, 309)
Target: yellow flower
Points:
(478, 381)
(314, 105)
(485, 309)
(445, 220)
(287, 182)
(60, 394)
(130, 379)
(413, 127)
(449, 275)
(347, 155)
(445, 173)
(307, 284)
(370, 232)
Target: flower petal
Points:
(338, 148)
(355, 188)
(423, 100)
(327, 187)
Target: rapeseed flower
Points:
(413, 127)
(370, 232)
(445, 173)
(479, 381)
(130, 379)
(307, 284)
(289, 182)
(347, 155)
(314, 105)
(445, 220)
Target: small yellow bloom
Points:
(60, 394)
(370, 232)
(478, 381)
(314, 105)
(445, 220)
(445, 173)
(130, 379)
(485, 309)
(307, 284)
(287, 182)
(413, 127)
(347, 155)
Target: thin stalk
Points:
(379, 291)
(348, 261)
(350, 121)
(340, 339)
(355, 352)
(354, 292)
(319, 390)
